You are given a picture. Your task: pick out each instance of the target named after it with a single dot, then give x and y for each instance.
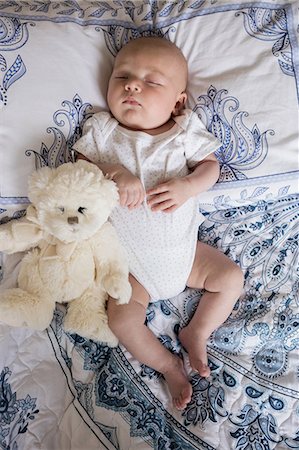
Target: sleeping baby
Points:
(161, 157)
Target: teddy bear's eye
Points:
(81, 209)
(61, 209)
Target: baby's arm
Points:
(172, 194)
(130, 189)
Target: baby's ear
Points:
(180, 104)
(38, 183)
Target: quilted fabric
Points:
(61, 392)
(71, 393)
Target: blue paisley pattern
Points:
(13, 35)
(11, 75)
(249, 352)
(251, 422)
(142, 11)
(268, 25)
(61, 149)
(242, 149)
(16, 415)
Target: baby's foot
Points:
(196, 346)
(178, 384)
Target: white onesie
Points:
(160, 246)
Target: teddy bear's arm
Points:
(112, 270)
(19, 235)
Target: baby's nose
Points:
(72, 220)
(133, 85)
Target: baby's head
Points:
(148, 83)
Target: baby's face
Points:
(145, 86)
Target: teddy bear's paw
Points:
(87, 317)
(105, 335)
(119, 288)
(96, 330)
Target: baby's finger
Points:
(171, 209)
(157, 189)
(158, 198)
(123, 198)
(136, 202)
(141, 199)
(131, 199)
(163, 206)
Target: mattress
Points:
(59, 391)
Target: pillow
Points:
(56, 58)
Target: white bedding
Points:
(61, 392)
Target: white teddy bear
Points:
(75, 256)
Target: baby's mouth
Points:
(131, 101)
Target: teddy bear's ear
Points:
(37, 183)
(109, 191)
(89, 167)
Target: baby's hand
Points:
(131, 191)
(169, 196)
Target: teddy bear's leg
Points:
(18, 308)
(117, 285)
(87, 317)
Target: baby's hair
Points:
(160, 41)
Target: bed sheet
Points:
(243, 61)
(61, 392)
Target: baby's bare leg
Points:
(127, 323)
(223, 282)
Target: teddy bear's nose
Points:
(72, 220)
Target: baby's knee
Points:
(118, 323)
(235, 279)
(122, 318)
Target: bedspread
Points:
(59, 391)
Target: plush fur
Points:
(74, 254)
